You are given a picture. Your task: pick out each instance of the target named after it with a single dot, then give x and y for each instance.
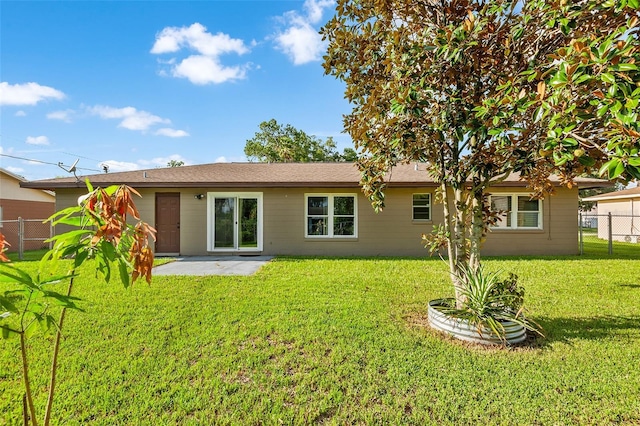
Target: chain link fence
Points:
(609, 233)
(26, 234)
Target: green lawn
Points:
(341, 341)
(594, 246)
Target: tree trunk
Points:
(457, 243)
(27, 383)
(477, 228)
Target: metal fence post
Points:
(20, 238)
(610, 232)
(580, 233)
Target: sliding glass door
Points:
(235, 221)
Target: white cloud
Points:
(172, 133)
(131, 118)
(64, 115)
(37, 140)
(20, 113)
(16, 170)
(163, 161)
(222, 159)
(196, 37)
(27, 93)
(119, 166)
(205, 67)
(301, 41)
(315, 9)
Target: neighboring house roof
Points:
(244, 175)
(617, 195)
(10, 189)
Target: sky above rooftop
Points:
(136, 84)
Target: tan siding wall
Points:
(10, 190)
(559, 234)
(389, 233)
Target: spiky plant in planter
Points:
(489, 303)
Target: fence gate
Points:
(609, 234)
(26, 234)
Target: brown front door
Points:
(168, 223)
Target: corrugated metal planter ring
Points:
(463, 330)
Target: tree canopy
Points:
(480, 89)
(175, 163)
(278, 143)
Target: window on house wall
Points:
(519, 211)
(331, 216)
(421, 206)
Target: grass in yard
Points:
(598, 247)
(339, 341)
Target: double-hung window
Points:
(421, 207)
(518, 211)
(331, 216)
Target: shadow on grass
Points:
(567, 330)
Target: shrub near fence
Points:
(26, 234)
(615, 231)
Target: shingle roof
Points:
(245, 175)
(625, 193)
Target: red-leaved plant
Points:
(100, 233)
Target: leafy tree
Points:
(480, 89)
(175, 163)
(102, 235)
(276, 143)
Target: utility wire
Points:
(66, 153)
(45, 162)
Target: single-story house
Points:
(28, 204)
(319, 209)
(624, 208)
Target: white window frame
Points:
(211, 220)
(514, 212)
(330, 215)
(413, 207)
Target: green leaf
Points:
(8, 333)
(33, 326)
(608, 78)
(634, 161)
(587, 161)
(81, 256)
(124, 273)
(75, 236)
(634, 172)
(602, 111)
(108, 250)
(57, 278)
(16, 275)
(627, 67)
(8, 305)
(615, 168)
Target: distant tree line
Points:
(277, 143)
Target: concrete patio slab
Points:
(213, 265)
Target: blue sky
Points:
(135, 84)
